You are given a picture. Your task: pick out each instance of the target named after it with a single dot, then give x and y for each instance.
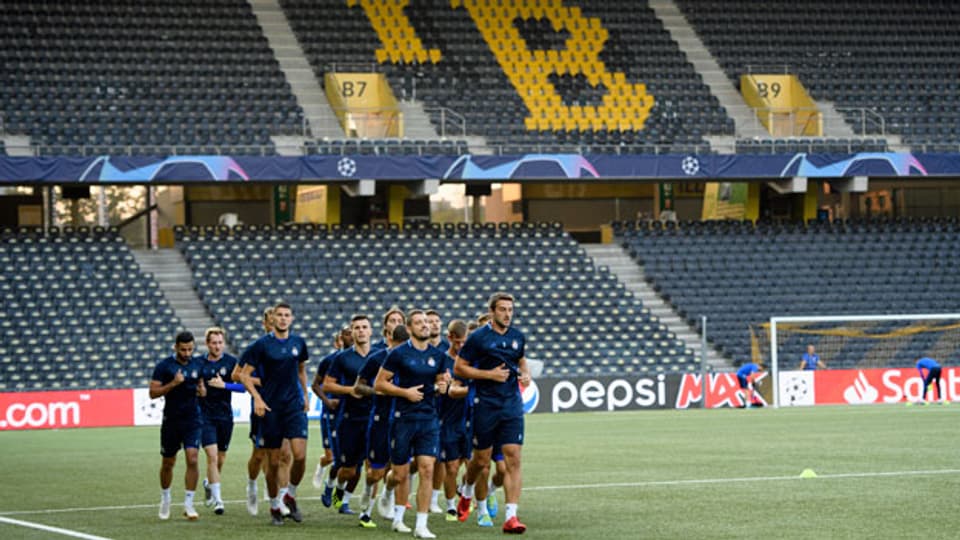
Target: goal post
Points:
(855, 341)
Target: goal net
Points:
(851, 342)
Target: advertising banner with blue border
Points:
(337, 168)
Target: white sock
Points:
(342, 485)
(292, 490)
(206, 483)
(252, 485)
(510, 512)
(274, 503)
(421, 520)
(165, 495)
(283, 491)
(491, 489)
(452, 504)
(434, 497)
(346, 497)
(367, 490)
(398, 510)
(329, 482)
(468, 491)
(482, 507)
(187, 498)
(215, 491)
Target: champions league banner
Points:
(337, 168)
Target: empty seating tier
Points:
(578, 318)
(737, 274)
(77, 312)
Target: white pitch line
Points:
(696, 481)
(651, 483)
(46, 528)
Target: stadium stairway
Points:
(295, 66)
(173, 276)
(713, 75)
(625, 268)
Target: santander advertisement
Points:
(862, 386)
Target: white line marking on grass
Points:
(651, 483)
(58, 530)
(697, 481)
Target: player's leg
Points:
(496, 481)
(191, 476)
(374, 473)
(438, 477)
(425, 467)
(398, 481)
(475, 467)
(511, 440)
(169, 446)
(451, 469)
(298, 466)
(327, 459)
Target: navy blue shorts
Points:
(413, 437)
(744, 383)
(454, 442)
(218, 432)
(280, 424)
(254, 428)
(351, 442)
(496, 427)
(176, 435)
(378, 440)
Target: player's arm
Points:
(235, 377)
(158, 389)
(302, 375)
(524, 371)
(463, 369)
(384, 385)
(331, 386)
(362, 387)
(457, 390)
(260, 407)
(820, 364)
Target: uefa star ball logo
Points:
(347, 167)
(690, 165)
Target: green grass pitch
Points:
(883, 472)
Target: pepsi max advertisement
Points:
(608, 393)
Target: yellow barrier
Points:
(364, 104)
(782, 105)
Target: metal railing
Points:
(868, 120)
(451, 122)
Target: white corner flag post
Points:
(774, 369)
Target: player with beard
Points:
(493, 357)
(178, 380)
(413, 374)
(282, 403)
